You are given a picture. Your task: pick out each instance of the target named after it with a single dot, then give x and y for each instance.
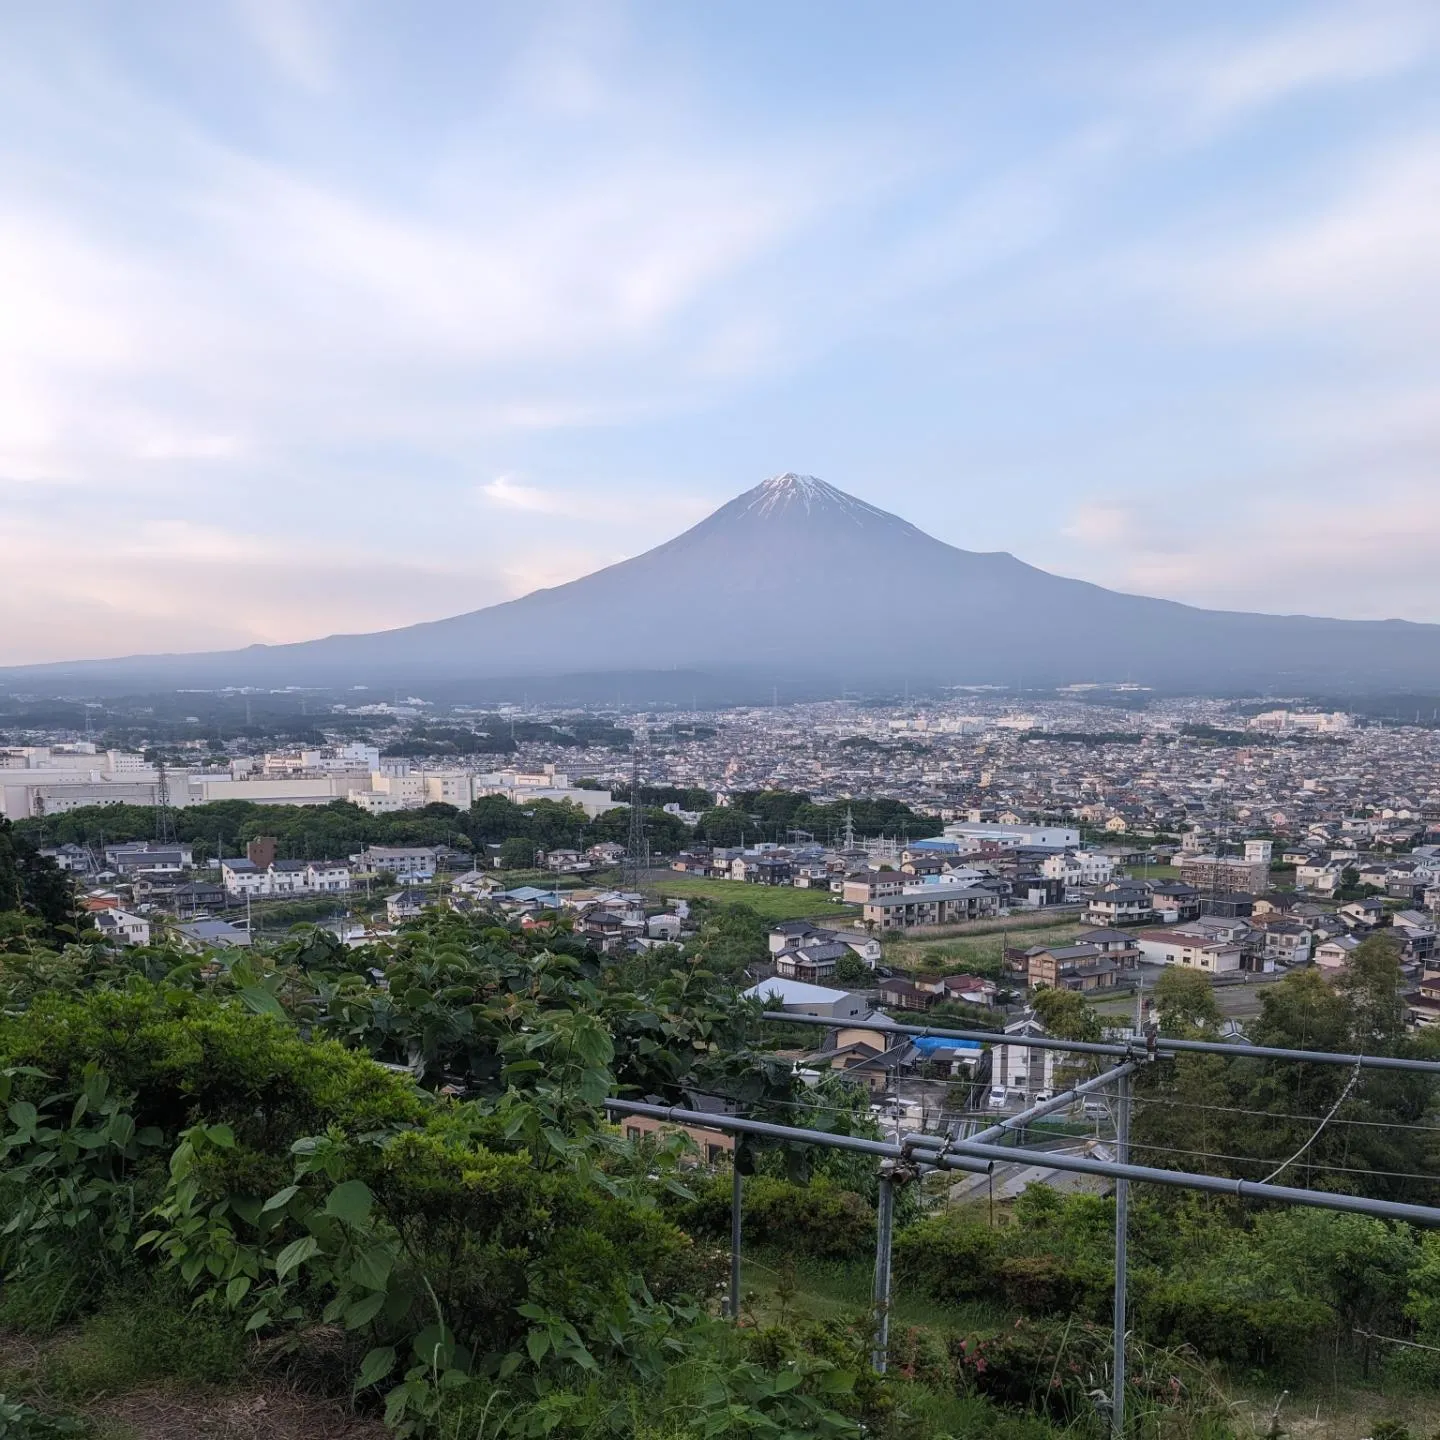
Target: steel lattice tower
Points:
(637, 859)
(164, 819)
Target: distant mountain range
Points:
(799, 581)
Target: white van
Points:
(998, 1096)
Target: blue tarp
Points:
(928, 1043)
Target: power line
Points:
(1259, 1160)
(1319, 1129)
(1285, 1115)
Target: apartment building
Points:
(930, 905)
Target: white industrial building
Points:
(972, 834)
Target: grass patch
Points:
(975, 951)
(775, 1292)
(770, 902)
(137, 1340)
(1154, 872)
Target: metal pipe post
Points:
(1122, 1227)
(739, 1125)
(884, 1234)
(886, 1026)
(1164, 1046)
(737, 1196)
(994, 1133)
(967, 1155)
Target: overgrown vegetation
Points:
(389, 1170)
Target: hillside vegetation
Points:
(386, 1175)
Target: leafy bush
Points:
(185, 1057)
(23, 1422)
(819, 1220)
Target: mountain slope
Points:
(798, 578)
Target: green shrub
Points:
(19, 1421)
(189, 1057)
(818, 1220)
(950, 1258)
(491, 1232)
(1231, 1316)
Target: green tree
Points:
(730, 938)
(1185, 1004)
(32, 884)
(1065, 1014)
(1370, 985)
(517, 854)
(725, 826)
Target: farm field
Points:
(771, 902)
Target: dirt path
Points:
(161, 1412)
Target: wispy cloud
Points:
(509, 495)
(1225, 77)
(289, 34)
(1273, 556)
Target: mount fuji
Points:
(797, 580)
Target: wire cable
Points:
(1319, 1129)
(1283, 1115)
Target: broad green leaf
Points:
(376, 1365)
(235, 1290)
(280, 1198)
(362, 1312)
(350, 1201)
(537, 1342)
(262, 1002)
(296, 1253)
(247, 1207)
(221, 1135)
(372, 1269)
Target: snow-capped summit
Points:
(808, 494)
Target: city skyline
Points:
(326, 320)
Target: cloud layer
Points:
(317, 320)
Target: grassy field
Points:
(1153, 872)
(773, 902)
(963, 950)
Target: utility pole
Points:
(1122, 1217)
(884, 1236)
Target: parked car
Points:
(998, 1095)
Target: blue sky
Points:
(339, 316)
